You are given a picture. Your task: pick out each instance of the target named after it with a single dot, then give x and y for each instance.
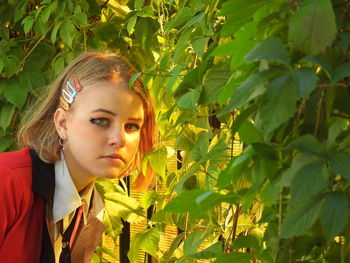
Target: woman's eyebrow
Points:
(136, 119)
(105, 111)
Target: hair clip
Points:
(70, 92)
(77, 84)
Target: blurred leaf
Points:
(80, 18)
(308, 181)
(214, 80)
(334, 214)
(306, 81)
(298, 162)
(279, 103)
(236, 257)
(340, 164)
(269, 49)
(5, 142)
(307, 144)
(180, 18)
(15, 93)
(189, 100)
(248, 133)
(247, 242)
(149, 198)
(68, 32)
(6, 115)
(305, 30)
(131, 24)
(341, 72)
(301, 218)
(212, 251)
(27, 23)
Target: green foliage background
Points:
(273, 71)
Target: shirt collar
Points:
(66, 197)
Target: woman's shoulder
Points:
(15, 159)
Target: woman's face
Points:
(103, 130)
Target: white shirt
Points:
(65, 202)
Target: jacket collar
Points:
(43, 181)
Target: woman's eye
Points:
(99, 121)
(132, 127)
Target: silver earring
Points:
(61, 141)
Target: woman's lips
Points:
(115, 158)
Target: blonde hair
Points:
(38, 131)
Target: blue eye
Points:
(99, 121)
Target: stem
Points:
(186, 225)
(280, 212)
(340, 116)
(235, 222)
(319, 113)
(327, 85)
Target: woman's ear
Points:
(60, 119)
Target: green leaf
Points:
(243, 93)
(269, 49)
(27, 24)
(185, 202)
(15, 93)
(309, 181)
(307, 144)
(301, 218)
(250, 241)
(340, 164)
(200, 149)
(279, 103)
(248, 133)
(68, 33)
(214, 80)
(131, 24)
(138, 4)
(341, 72)
(6, 115)
(319, 62)
(11, 64)
(157, 159)
(298, 162)
(306, 81)
(80, 19)
(5, 142)
(334, 214)
(189, 100)
(150, 240)
(54, 32)
(134, 78)
(135, 247)
(337, 127)
(149, 198)
(181, 17)
(193, 241)
(41, 27)
(210, 252)
(182, 43)
(305, 30)
(236, 257)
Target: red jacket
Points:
(24, 184)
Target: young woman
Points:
(91, 124)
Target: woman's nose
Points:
(117, 138)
